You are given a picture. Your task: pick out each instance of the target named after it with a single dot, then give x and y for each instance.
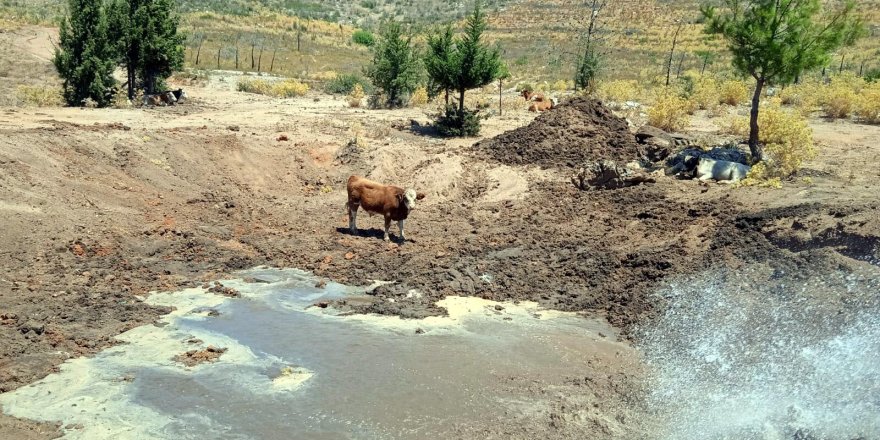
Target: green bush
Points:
(455, 123)
(344, 84)
(364, 38)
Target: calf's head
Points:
(409, 197)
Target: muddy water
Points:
(293, 370)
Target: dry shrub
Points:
(288, 88)
(559, 86)
(120, 99)
(40, 96)
(356, 96)
(838, 101)
(868, 104)
(419, 97)
(787, 139)
(253, 85)
(619, 90)
(705, 95)
(670, 111)
(804, 96)
(733, 92)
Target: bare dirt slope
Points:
(100, 206)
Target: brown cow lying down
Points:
(542, 106)
(394, 203)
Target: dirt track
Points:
(100, 206)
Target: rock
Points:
(32, 326)
(606, 174)
(233, 128)
(658, 143)
(648, 132)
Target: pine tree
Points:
(439, 63)
(84, 56)
(474, 64)
(774, 41)
(396, 68)
(149, 45)
(127, 45)
(161, 46)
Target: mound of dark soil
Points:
(579, 130)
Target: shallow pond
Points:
(294, 370)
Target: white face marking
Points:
(409, 198)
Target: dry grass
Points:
(288, 88)
(419, 97)
(733, 92)
(618, 91)
(787, 140)
(670, 111)
(356, 97)
(39, 96)
(868, 104)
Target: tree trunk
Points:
(680, 64)
(131, 80)
(842, 58)
(754, 146)
(461, 102)
(298, 35)
(260, 60)
(237, 39)
(272, 64)
(499, 96)
(218, 58)
(253, 62)
(705, 61)
(671, 53)
(199, 52)
(447, 97)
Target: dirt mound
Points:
(579, 130)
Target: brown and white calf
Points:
(532, 96)
(394, 203)
(542, 106)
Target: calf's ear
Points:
(420, 196)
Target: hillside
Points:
(308, 37)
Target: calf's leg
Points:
(352, 217)
(387, 226)
(400, 225)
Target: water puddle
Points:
(293, 370)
